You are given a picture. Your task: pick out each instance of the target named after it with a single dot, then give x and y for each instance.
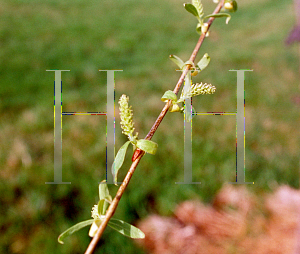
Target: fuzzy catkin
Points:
(126, 117)
(197, 89)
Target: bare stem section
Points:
(113, 206)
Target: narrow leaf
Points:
(227, 19)
(126, 229)
(103, 191)
(73, 229)
(119, 161)
(104, 198)
(147, 145)
(169, 95)
(219, 15)
(191, 9)
(102, 206)
(177, 61)
(204, 61)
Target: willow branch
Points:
(113, 206)
(184, 73)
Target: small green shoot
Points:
(98, 214)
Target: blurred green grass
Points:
(137, 37)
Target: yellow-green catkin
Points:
(197, 89)
(200, 88)
(126, 117)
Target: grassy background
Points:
(137, 37)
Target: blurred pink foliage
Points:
(236, 222)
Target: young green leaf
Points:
(231, 6)
(204, 61)
(219, 15)
(227, 19)
(174, 108)
(102, 206)
(119, 161)
(126, 229)
(198, 28)
(103, 191)
(191, 9)
(104, 198)
(234, 3)
(73, 229)
(169, 95)
(177, 61)
(93, 229)
(147, 145)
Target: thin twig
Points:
(184, 73)
(113, 206)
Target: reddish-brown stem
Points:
(113, 206)
(184, 73)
